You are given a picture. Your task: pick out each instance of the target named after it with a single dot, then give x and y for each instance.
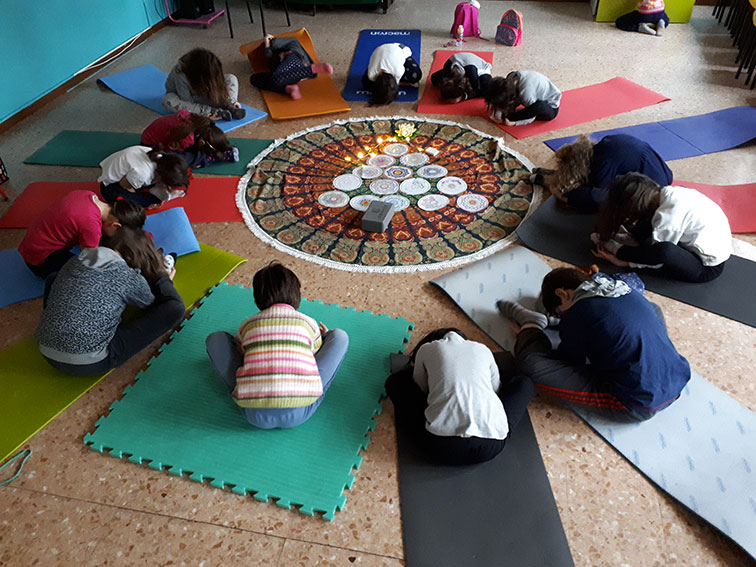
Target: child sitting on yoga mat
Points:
(391, 64)
(143, 175)
(289, 63)
(192, 137)
(633, 369)
(650, 18)
(464, 76)
(78, 218)
(539, 97)
(586, 168)
(452, 400)
(676, 231)
(81, 331)
(197, 84)
(282, 362)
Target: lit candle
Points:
(380, 140)
(348, 158)
(360, 155)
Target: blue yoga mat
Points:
(368, 41)
(18, 283)
(687, 137)
(172, 231)
(699, 450)
(146, 86)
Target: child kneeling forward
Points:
(279, 366)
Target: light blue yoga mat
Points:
(700, 450)
(17, 282)
(687, 137)
(368, 41)
(146, 86)
(172, 231)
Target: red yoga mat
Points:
(208, 200)
(737, 201)
(615, 96)
(432, 103)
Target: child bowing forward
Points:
(390, 64)
(279, 366)
(538, 96)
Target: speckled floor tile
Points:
(300, 554)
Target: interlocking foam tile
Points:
(179, 416)
(699, 450)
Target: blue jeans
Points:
(226, 355)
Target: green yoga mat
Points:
(88, 149)
(179, 416)
(32, 393)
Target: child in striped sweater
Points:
(281, 362)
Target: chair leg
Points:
(313, 10)
(249, 11)
(228, 17)
(286, 9)
(262, 17)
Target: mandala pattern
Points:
(284, 193)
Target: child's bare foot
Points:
(293, 92)
(322, 68)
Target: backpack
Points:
(466, 15)
(509, 31)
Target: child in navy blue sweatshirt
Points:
(615, 357)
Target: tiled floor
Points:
(72, 506)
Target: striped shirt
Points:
(279, 369)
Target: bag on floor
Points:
(509, 31)
(466, 15)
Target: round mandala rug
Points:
(280, 196)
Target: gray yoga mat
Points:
(565, 235)
(699, 450)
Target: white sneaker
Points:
(647, 29)
(169, 261)
(660, 25)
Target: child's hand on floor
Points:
(603, 253)
(323, 328)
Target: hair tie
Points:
(158, 155)
(119, 198)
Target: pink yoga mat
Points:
(432, 103)
(208, 200)
(615, 96)
(737, 201)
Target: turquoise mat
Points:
(179, 417)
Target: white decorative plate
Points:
(400, 203)
(415, 186)
(333, 199)
(432, 202)
(381, 160)
(396, 150)
(368, 171)
(347, 182)
(414, 160)
(397, 172)
(451, 185)
(361, 202)
(432, 171)
(472, 203)
(384, 186)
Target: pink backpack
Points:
(466, 15)
(509, 31)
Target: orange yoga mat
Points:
(432, 103)
(319, 95)
(737, 201)
(614, 96)
(208, 200)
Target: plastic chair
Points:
(262, 15)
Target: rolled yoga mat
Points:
(699, 450)
(146, 86)
(368, 41)
(87, 149)
(431, 101)
(319, 95)
(687, 137)
(202, 429)
(565, 235)
(585, 104)
(25, 373)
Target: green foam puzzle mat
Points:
(179, 416)
(32, 393)
(87, 149)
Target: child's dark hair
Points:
(502, 95)
(454, 87)
(130, 214)
(204, 71)
(190, 125)
(216, 143)
(385, 89)
(564, 278)
(276, 283)
(436, 335)
(632, 197)
(171, 170)
(138, 251)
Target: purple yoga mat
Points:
(687, 137)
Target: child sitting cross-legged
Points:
(281, 362)
(614, 358)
